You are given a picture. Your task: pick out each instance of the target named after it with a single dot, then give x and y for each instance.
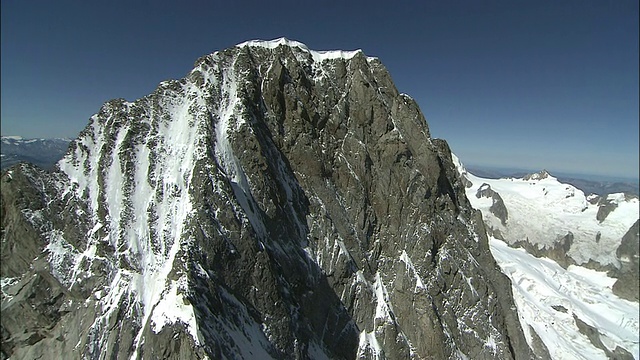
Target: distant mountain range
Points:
(41, 152)
(585, 183)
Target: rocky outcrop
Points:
(542, 174)
(628, 284)
(537, 345)
(593, 335)
(19, 191)
(497, 207)
(557, 252)
(605, 207)
(275, 203)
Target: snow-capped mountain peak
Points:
(540, 175)
(318, 56)
(271, 204)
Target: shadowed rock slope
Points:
(277, 202)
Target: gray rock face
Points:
(275, 203)
(497, 207)
(557, 252)
(542, 174)
(594, 336)
(537, 345)
(605, 207)
(628, 284)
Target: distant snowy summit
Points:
(597, 184)
(19, 140)
(9, 138)
(543, 174)
(566, 311)
(556, 220)
(41, 152)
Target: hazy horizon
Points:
(532, 85)
(553, 172)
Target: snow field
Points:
(539, 283)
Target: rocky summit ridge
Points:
(277, 202)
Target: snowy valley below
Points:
(571, 310)
(552, 301)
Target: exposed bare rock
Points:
(275, 203)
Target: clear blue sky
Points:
(528, 84)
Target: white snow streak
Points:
(409, 265)
(229, 120)
(366, 341)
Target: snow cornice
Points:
(318, 56)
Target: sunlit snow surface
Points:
(544, 210)
(541, 211)
(318, 56)
(152, 238)
(539, 284)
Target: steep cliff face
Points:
(277, 202)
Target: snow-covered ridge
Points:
(19, 140)
(12, 137)
(28, 140)
(458, 164)
(318, 56)
(542, 210)
(38, 151)
(155, 190)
